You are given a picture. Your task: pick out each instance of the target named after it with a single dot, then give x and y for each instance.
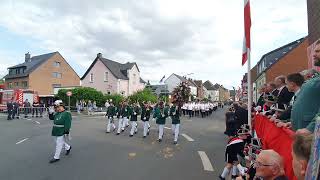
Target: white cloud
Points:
(162, 36)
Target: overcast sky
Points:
(203, 37)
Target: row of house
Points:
(198, 89)
(48, 73)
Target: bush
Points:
(86, 94)
(143, 96)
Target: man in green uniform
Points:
(161, 113)
(118, 114)
(111, 112)
(124, 115)
(307, 104)
(135, 111)
(145, 116)
(175, 116)
(61, 128)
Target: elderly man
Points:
(301, 150)
(61, 128)
(283, 96)
(269, 166)
(307, 105)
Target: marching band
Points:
(160, 113)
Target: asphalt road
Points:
(26, 148)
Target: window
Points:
(24, 70)
(24, 84)
(57, 75)
(56, 64)
(16, 84)
(10, 85)
(106, 74)
(56, 85)
(91, 77)
(18, 71)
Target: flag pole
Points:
(249, 93)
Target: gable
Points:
(36, 61)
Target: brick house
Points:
(111, 77)
(313, 28)
(42, 74)
(200, 90)
(285, 60)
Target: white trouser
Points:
(176, 130)
(134, 128)
(125, 122)
(146, 127)
(60, 142)
(120, 125)
(161, 126)
(110, 123)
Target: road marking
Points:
(207, 166)
(22, 140)
(167, 128)
(37, 122)
(188, 120)
(187, 137)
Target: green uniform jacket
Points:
(134, 117)
(161, 115)
(61, 123)
(145, 113)
(111, 111)
(118, 111)
(125, 111)
(307, 105)
(175, 115)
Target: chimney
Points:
(27, 57)
(99, 55)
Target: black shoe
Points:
(144, 136)
(68, 151)
(130, 135)
(54, 160)
(107, 132)
(135, 132)
(160, 140)
(122, 130)
(118, 134)
(175, 142)
(148, 133)
(221, 178)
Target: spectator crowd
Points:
(292, 103)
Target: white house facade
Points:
(111, 77)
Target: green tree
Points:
(144, 95)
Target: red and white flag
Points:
(247, 26)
